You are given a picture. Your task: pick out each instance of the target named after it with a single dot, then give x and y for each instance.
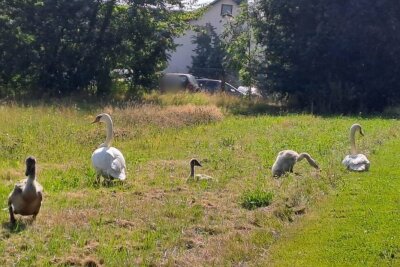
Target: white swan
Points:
(108, 161)
(286, 160)
(354, 161)
(26, 198)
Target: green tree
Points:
(242, 51)
(58, 47)
(335, 56)
(208, 60)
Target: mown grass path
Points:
(359, 226)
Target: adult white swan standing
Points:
(354, 161)
(286, 160)
(108, 161)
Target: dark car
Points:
(213, 86)
(171, 82)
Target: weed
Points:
(256, 199)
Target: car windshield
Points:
(174, 81)
(209, 85)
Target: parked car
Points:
(171, 82)
(213, 86)
(245, 90)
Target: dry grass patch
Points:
(166, 117)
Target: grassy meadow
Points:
(157, 218)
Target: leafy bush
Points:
(256, 199)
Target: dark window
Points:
(226, 9)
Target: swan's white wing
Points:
(203, 177)
(284, 162)
(109, 162)
(118, 164)
(357, 162)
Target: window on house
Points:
(226, 9)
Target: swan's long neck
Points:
(353, 140)
(31, 173)
(192, 170)
(310, 160)
(109, 131)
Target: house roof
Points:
(238, 2)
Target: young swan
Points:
(108, 161)
(26, 198)
(354, 161)
(197, 177)
(287, 159)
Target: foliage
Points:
(335, 56)
(242, 52)
(209, 53)
(256, 199)
(60, 47)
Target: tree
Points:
(337, 56)
(242, 51)
(58, 47)
(209, 54)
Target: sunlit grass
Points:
(256, 199)
(358, 226)
(155, 217)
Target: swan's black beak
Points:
(362, 132)
(97, 119)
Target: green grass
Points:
(156, 217)
(256, 199)
(358, 226)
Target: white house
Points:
(217, 14)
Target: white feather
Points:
(357, 162)
(354, 161)
(108, 161)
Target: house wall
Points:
(181, 59)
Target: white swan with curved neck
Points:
(108, 161)
(354, 161)
(286, 160)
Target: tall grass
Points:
(229, 103)
(170, 116)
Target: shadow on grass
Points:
(19, 226)
(107, 183)
(253, 109)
